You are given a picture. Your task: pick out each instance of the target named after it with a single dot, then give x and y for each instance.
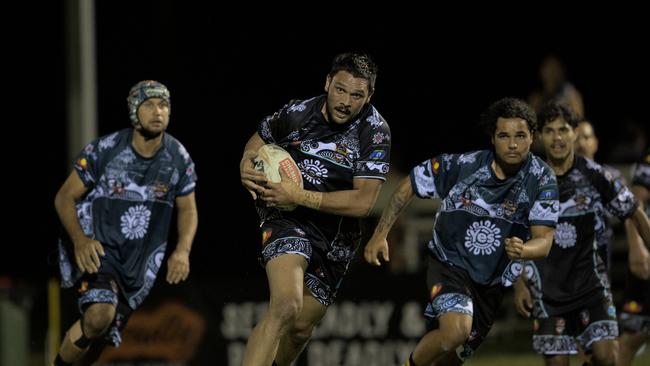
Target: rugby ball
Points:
(270, 159)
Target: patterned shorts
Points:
(452, 290)
(102, 288)
(327, 260)
(560, 335)
(635, 312)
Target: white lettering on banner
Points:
(349, 319)
(236, 353)
(350, 333)
(342, 353)
(239, 319)
(412, 324)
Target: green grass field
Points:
(491, 358)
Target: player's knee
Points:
(285, 311)
(455, 334)
(302, 333)
(605, 356)
(97, 319)
(554, 360)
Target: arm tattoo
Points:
(398, 202)
(311, 199)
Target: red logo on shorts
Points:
(266, 234)
(435, 290)
(84, 287)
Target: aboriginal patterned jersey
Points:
(479, 211)
(128, 208)
(329, 156)
(569, 277)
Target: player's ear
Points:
(370, 93)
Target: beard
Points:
(148, 134)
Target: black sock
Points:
(274, 364)
(59, 362)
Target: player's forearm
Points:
(634, 240)
(188, 221)
(351, 202)
(398, 202)
(520, 284)
(67, 211)
(641, 224)
(537, 248)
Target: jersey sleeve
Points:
(617, 197)
(87, 164)
(545, 209)
(277, 126)
(374, 154)
(434, 178)
(187, 179)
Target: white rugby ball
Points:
(270, 159)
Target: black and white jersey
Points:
(330, 156)
(569, 278)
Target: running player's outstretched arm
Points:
(639, 218)
(178, 265)
(87, 251)
(638, 256)
(378, 243)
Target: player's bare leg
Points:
(286, 277)
(294, 341)
(629, 344)
(454, 329)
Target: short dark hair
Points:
(507, 108)
(360, 65)
(554, 110)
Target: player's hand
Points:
(514, 247)
(640, 263)
(376, 246)
(251, 179)
(522, 298)
(178, 266)
(86, 254)
(283, 193)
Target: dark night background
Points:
(225, 75)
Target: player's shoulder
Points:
(298, 108)
(111, 140)
(374, 120)
(176, 148)
(592, 169)
(538, 171)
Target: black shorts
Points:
(327, 260)
(635, 312)
(452, 290)
(560, 335)
(102, 288)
